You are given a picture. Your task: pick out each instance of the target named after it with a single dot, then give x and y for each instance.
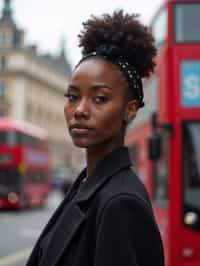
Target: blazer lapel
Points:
(69, 222)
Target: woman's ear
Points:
(131, 111)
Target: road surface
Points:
(19, 231)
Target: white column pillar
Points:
(18, 111)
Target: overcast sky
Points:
(46, 22)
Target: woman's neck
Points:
(94, 155)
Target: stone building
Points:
(32, 87)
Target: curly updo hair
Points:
(124, 31)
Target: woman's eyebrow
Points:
(95, 86)
(101, 85)
(72, 86)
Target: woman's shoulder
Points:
(125, 186)
(130, 218)
(125, 209)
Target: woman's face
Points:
(96, 104)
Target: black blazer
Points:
(108, 222)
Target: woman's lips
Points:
(80, 129)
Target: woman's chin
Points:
(81, 144)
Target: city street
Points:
(20, 229)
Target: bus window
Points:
(3, 92)
(12, 138)
(8, 137)
(186, 22)
(191, 172)
(9, 180)
(3, 137)
(159, 28)
(2, 63)
(27, 140)
(160, 172)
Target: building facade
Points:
(32, 86)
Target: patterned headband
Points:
(112, 54)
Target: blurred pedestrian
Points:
(106, 218)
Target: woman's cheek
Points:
(112, 122)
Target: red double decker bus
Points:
(24, 165)
(167, 131)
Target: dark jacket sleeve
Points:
(127, 235)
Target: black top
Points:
(105, 221)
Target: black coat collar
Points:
(104, 170)
(70, 214)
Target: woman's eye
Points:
(101, 99)
(71, 97)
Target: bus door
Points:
(191, 190)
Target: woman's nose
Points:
(82, 109)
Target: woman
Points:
(106, 218)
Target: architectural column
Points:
(19, 99)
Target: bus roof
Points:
(24, 127)
(165, 2)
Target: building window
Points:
(2, 63)
(2, 92)
(3, 38)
